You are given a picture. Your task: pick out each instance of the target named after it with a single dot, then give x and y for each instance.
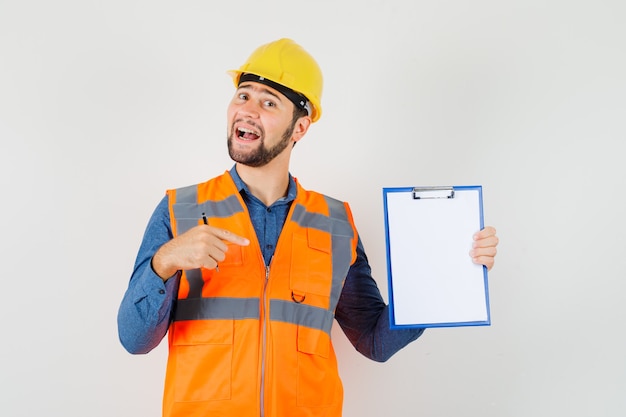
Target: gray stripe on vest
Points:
(220, 308)
(308, 219)
(301, 314)
(217, 308)
(187, 194)
(341, 231)
(188, 213)
(342, 248)
(338, 226)
(194, 278)
(182, 225)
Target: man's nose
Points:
(250, 108)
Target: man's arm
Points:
(364, 317)
(144, 314)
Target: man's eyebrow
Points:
(260, 88)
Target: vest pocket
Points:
(234, 255)
(203, 352)
(311, 264)
(318, 382)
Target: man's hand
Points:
(484, 247)
(200, 247)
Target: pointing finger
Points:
(231, 237)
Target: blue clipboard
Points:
(432, 279)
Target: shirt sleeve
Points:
(144, 314)
(364, 316)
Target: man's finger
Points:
(486, 242)
(486, 232)
(231, 237)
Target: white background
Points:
(104, 105)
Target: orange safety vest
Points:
(250, 340)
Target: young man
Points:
(247, 271)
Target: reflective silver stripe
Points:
(215, 308)
(342, 248)
(301, 314)
(337, 223)
(308, 219)
(194, 278)
(188, 213)
(187, 194)
(340, 228)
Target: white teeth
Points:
(244, 130)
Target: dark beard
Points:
(262, 155)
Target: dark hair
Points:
(298, 112)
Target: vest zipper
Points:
(264, 339)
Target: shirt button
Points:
(161, 291)
(269, 209)
(269, 246)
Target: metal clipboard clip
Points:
(432, 192)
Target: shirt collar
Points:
(243, 188)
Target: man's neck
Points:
(267, 183)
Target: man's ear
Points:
(300, 128)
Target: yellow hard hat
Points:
(286, 63)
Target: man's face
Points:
(259, 124)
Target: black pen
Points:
(217, 267)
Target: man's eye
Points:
(269, 103)
(243, 96)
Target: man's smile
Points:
(247, 134)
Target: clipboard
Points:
(432, 279)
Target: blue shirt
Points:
(144, 314)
